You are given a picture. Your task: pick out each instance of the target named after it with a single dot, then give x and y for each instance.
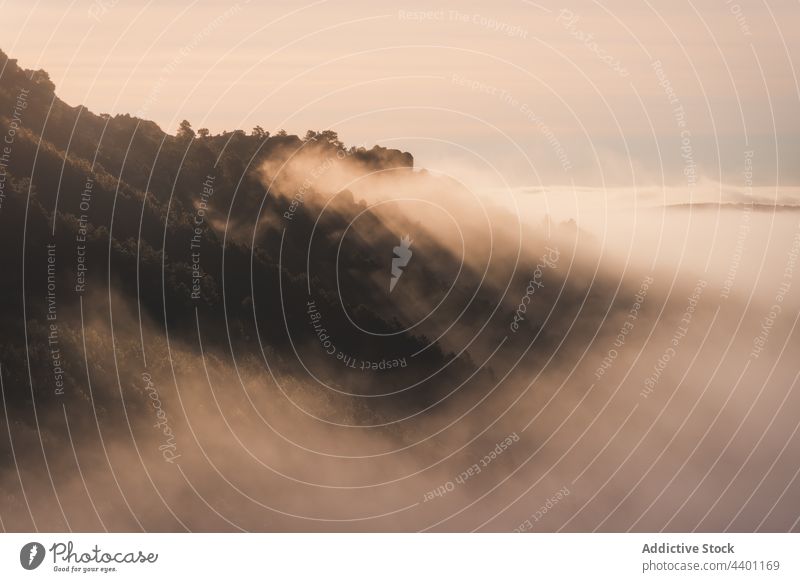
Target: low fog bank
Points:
(523, 372)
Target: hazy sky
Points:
(530, 93)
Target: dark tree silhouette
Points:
(259, 132)
(185, 130)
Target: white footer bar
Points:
(406, 557)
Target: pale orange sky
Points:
(510, 87)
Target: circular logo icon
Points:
(31, 555)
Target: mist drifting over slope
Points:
(591, 329)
